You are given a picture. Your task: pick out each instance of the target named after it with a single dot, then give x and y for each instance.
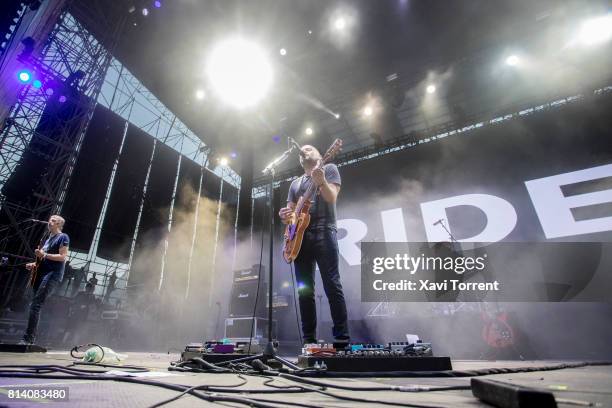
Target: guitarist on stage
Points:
(320, 245)
(51, 259)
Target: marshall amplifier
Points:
(244, 292)
(249, 274)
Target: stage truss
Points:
(69, 48)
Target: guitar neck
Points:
(312, 188)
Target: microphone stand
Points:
(269, 352)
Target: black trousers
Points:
(44, 289)
(321, 247)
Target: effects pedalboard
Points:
(398, 356)
(220, 351)
(394, 356)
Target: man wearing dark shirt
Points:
(320, 245)
(53, 256)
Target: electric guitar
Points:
(34, 270)
(294, 232)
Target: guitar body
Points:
(34, 271)
(294, 234)
(497, 332)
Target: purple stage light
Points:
(62, 99)
(276, 139)
(233, 155)
(49, 91)
(157, 4)
(24, 76)
(37, 84)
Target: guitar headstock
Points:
(333, 150)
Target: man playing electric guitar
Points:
(52, 257)
(319, 245)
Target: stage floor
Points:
(590, 384)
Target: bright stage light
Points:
(62, 99)
(239, 72)
(145, 11)
(513, 60)
(283, 52)
(340, 23)
(367, 111)
(431, 88)
(596, 30)
(285, 284)
(223, 161)
(309, 131)
(157, 4)
(24, 76)
(200, 94)
(37, 84)
(337, 116)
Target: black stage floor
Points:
(583, 385)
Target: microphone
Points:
(438, 222)
(297, 146)
(38, 221)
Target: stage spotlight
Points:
(285, 284)
(157, 4)
(431, 88)
(309, 32)
(24, 76)
(513, 60)
(132, 9)
(596, 30)
(276, 139)
(337, 116)
(340, 23)
(233, 155)
(145, 11)
(223, 161)
(200, 94)
(239, 72)
(309, 131)
(62, 99)
(49, 91)
(283, 52)
(367, 111)
(37, 84)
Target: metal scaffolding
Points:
(69, 50)
(71, 59)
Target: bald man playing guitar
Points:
(319, 245)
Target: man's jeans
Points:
(320, 246)
(44, 289)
